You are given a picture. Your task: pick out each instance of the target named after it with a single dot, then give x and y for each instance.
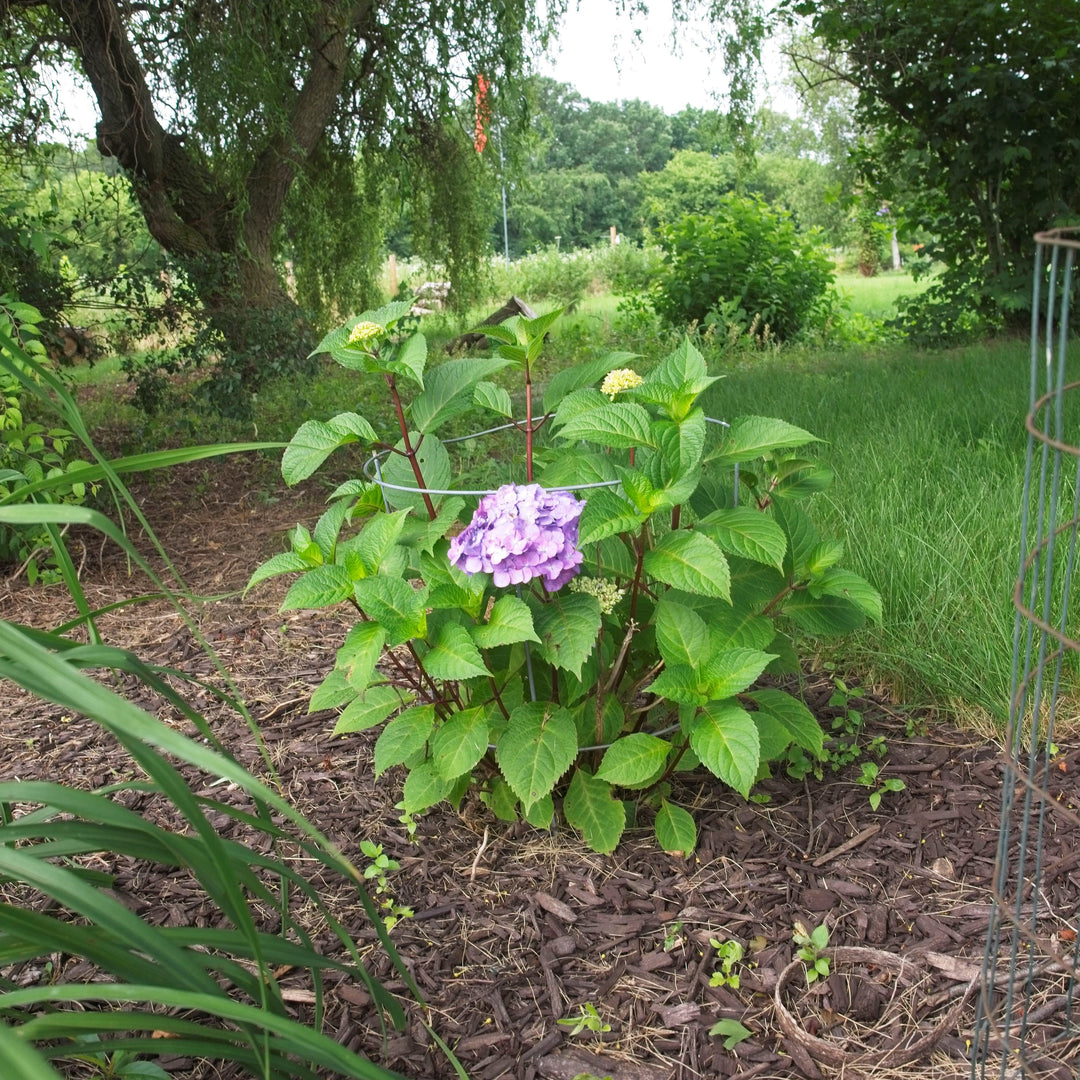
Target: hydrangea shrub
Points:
(566, 645)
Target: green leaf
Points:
(733, 1031)
(537, 747)
(395, 604)
(824, 556)
(460, 743)
(751, 436)
(424, 787)
(607, 514)
(725, 738)
(798, 722)
(403, 737)
(747, 532)
(590, 807)
(454, 656)
(633, 760)
(284, 563)
(735, 628)
(360, 653)
(410, 359)
(572, 467)
(579, 401)
(568, 627)
(823, 616)
(434, 467)
(424, 534)
(511, 621)
(494, 398)
(316, 440)
(318, 588)
(733, 670)
(449, 390)
(501, 800)
(333, 691)
(377, 537)
(675, 830)
(850, 587)
(679, 683)
(372, 707)
(803, 540)
(541, 813)
(618, 424)
(681, 634)
(691, 562)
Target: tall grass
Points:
(928, 450)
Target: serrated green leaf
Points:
(823, 616)
(460, 743)
(360, 653)
(541, 813)
(745, 531)
(333, 691)
(410, 359)
(318, 588)
(733, 1031)
(691, 562)
(802, 537)
(633, 760)
(798, 722)
(372, 707)
(328, 527)
(434, 467)
(572, 468)
(590, 807)
(725, 738)
(501, 800)
(735, 628)
(395, 604)
(454, 656)
(567, 626)
(424, 787)
(607, 514)
(675, 830)
(824, 556)
(403, 737)
(449, 390)
(732, 671)
(284, 563)
(681, 634)
(798, 479)
(377, 537)
(489, 396)
(619, 424)
(579, 401)
(679, 683)
(749, 437)
(850, 587)
(424, 534)
(537, 747)
(511, 621)
(316, 440)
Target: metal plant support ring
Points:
(1027, 1020)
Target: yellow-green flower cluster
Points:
(606, 592)
(620, 379)
(365, 334)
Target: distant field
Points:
(876, 296)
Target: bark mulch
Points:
(515, 929)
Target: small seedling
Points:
(729, 953)
(870, 778)
(672, 935)
(117, 1065)
(377, 869)
(811, 946)
(733, 1032)
(588, 1019)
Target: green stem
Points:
(410, 453)
(640, 546)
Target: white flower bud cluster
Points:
(607, 593)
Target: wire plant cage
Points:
(1027, 1022)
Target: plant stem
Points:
(528, 425)
(640, 546)
(675, 512)
(410, 453)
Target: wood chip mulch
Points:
(515, 929)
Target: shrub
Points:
(566, 650)
(745, 258)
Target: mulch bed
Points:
(515, 929)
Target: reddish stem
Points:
(675, 511)
(410, 452)
(528, 425)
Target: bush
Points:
(745, 260)
(562, 653)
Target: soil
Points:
(516, 929)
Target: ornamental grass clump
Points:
(690, 563)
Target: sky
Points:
(598, 53)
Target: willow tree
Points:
(252, 127)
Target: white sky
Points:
(598, 53)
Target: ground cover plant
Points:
(613, 638)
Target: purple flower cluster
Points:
(519, 533)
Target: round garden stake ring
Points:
(907, 973)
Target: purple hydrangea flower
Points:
(519, 533)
